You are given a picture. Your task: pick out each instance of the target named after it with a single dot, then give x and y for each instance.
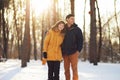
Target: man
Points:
(71, 46)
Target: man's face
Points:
(70, 20)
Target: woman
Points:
(52, 49)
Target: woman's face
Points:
(61, 26)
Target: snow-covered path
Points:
(11, 70)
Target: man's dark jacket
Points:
(73, 40)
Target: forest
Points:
(23, 24)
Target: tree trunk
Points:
(3, 5)
(34, 38)
(42, 35)
(26, 41)
(22, 20)
(17, 30)
(5, 46)
(100, 33)
(84, 47)
(72, 6)
(0, 28)
(110, 44)
(54, 11)
(93, 33)
(117, 25)
(1, 49)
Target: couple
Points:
(63, 41)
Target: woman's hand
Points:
(45, 55)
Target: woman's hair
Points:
(55, 27)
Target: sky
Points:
(106, 8)
(11, 70)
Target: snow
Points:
(11, 70)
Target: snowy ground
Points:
(11, 70)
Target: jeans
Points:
(53, 70)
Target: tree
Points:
(93, 33)
(4, 4)
(85, 43)
(117, 24)
(100, 34)
(55, 16)
(26, 41)
(34, 36)
(110, 44)
(72, 6)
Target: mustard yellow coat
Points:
(52, 43)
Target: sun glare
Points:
(39, 6)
